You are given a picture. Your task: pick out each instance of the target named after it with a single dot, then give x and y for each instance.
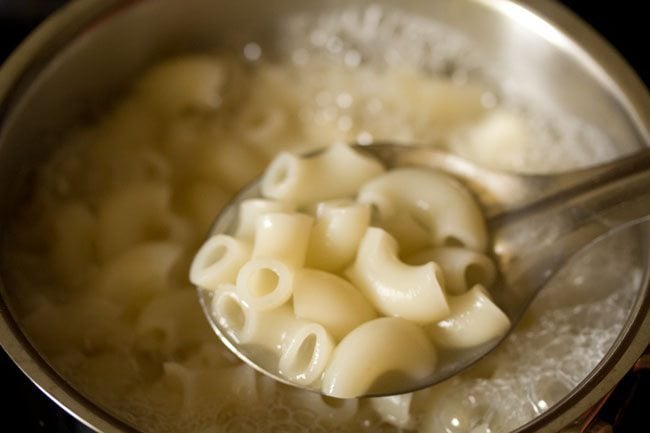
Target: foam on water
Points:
(385, 38)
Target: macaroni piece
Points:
(463, 268)
(283, 237)
(440, 204)
(395, 409)
(138, 273)
(251, 209)
(328, 299)
(305, 354)
(265, 283)
(159, 326)
(265, 328)
(234, 315)
(373, 351)
(332, 410)
(474, 319)
(304, 346)
(356, 303)
(128, 217)
(219, 260)
(196, 83)
(338, 229)
(335, 173)
(394, 288)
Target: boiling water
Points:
(98, 258)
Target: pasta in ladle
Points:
(329, 297)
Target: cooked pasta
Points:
(220, 162)
(283, 237)
(330, 300)
(139, 213)
(179, 85)
(463, 268)
(92, 325)
(137, 274)
(337, 172)
(265, 283)
(250, 210)
(474, 319)
(333, 410)
(395, 409)
(337, 232)
(337, 273)
(394, 288)
(171, 323)
(434, 200)
(219, 261)
(302, 347)
(305, 353)
(392, 349)
(140, 185)
(233, 313)
(247, 325)
(195, 387)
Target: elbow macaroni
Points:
(463, 268)
(306, 353)
(128, 217)
(374, 350)
(337, 172)
(474, 319)
(138, 273)
(326, 300)
(330, 300)
(395, 409)
(434, 200)
(250, 210)
(265, 283)
(303, 348)
(394, 288)
(218, 261)
(337, 232)
(283, 236)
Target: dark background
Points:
(24, 409)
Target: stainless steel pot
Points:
(82, 55)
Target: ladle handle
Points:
(502, 192)
(536, 241)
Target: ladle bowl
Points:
(536, 224)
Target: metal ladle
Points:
(536, 223)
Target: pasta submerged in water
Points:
(143, 183)
(341, 312)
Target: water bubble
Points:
(364, 137)
(344, 100)
(334, 45)
(344, 123)
(352, 58)
(252, 51)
